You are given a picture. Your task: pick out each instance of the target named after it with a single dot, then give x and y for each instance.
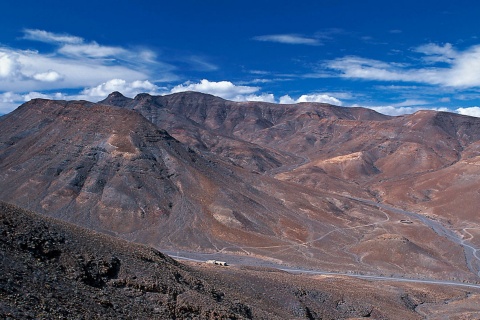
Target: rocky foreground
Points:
(51, 269)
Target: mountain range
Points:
(306, 185)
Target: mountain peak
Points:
(115, 94)
(116, 99)
(142, 96)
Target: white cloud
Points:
(391, 110)
(8, 65)
(128, 89)
(224, 89)
(91, 50)
(465, 71)
(11, 100)
(50, 37)
(35, 95)
(32, 71)
(49, 76)
(75, 64)
(264, 97)
(437, 53)
(286, 99)
(401, 108)
(368, 69)
(321, 98)
(470, 111)
(10, 97)
(462, 70)
(288, 39)
(77, 47)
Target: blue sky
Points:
(395, 57)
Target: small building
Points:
(217, 263)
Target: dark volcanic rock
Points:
(50, 269)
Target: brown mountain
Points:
(338, 147)
(350, 150)
(51, 269)
(292, 183)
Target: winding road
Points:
(256, 262)
(471, 253)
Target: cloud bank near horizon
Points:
(223, 89)
(79, 69)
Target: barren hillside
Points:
(51, 269)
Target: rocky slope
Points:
(111, 170)
(51, 269)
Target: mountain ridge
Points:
(196, 172)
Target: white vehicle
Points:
(218, 263)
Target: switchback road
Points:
(256, 262)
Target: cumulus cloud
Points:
(264, 97)
(224, 89)
(286, 99)
(462, 69)
(321, 98)
(75, 64)
(392, 110)
(469, 111)
(128, 89)
(288, 39)
(10, 97)
(54, 96)
(49, 76)
(401, 108)
(11, 100)
(33, 71)
(8, 65)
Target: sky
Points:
(395, 57)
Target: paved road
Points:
(256, 262)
